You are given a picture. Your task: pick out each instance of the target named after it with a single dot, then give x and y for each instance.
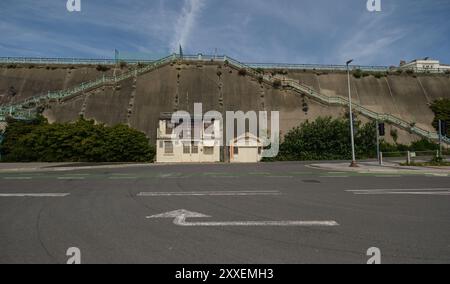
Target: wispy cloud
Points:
(186, 23)
(292, 31)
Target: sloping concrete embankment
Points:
(139, 101)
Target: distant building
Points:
(425, 65)
(246, 148)
(172, 149)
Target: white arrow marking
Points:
(180, 217)
(34, 194)
(209, 193)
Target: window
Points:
(186, 148)
(169, 127)
(236, 150)
(259, 150)
(208, 150)
(168, 147)
(194, 148)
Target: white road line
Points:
(180, 217)
(423, 191)
(334, 176)
(209, 193)
(123, 177)
(279, 176)
(71, 178)
(404, 193)
(399, 189)
(34, 194)
(224, 176)
(17, 178)
(437, 175)
(387, 176)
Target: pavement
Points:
(238, 214)
(387, 167)
(60, 167)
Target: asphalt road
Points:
(103, 213)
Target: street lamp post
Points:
(353, 164)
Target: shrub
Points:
(357, 73)
(394, 135)
(277, 83)
(82, 141)
(102, 68)
(242, 72)
(379, 75)
(12, 91)
(259, 70)
(327, 139)
(123, 64)
(423, 145)
(260, 79)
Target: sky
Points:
(252, 31)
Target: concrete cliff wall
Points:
(139, 101)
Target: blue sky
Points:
(285, 31)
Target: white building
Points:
(246, 148)
(425, 65)
(173, 149)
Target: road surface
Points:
(235, 214)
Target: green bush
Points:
(102, 68)
(358, 73)
(259, 70)
(82, 141)
(277, 83)
(327, 139)
(441, 109)
(242, 72)
(379, 75)
(123, 64)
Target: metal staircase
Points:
(28, 108)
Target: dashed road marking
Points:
(121, 177)
(34, 194)
(423, 191)
(334, 176)
(388, 176)
(209, 193)
(279, 176)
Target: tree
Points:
(441, 109)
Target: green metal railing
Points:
(27, 108)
